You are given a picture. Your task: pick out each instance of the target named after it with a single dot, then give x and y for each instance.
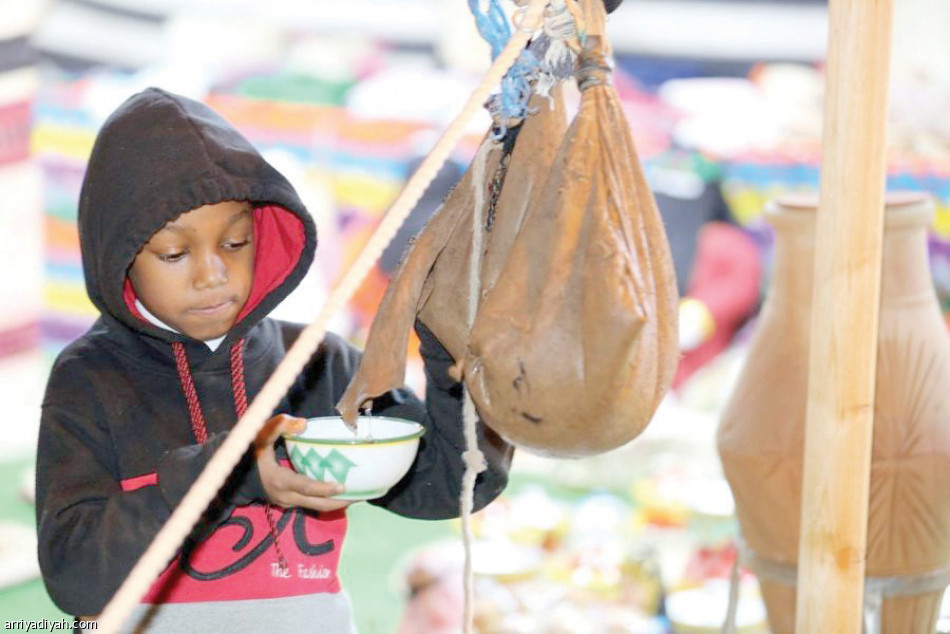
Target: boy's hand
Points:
(284, 486)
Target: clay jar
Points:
(762, 429)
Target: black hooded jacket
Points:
(117, 450)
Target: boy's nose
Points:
(212, 271)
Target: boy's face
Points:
(195, 273)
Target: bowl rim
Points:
(417, 433)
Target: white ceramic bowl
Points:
(368, 462)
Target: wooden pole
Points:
(842, 365)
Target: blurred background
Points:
(724, 100)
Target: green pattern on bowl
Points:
(316, 465)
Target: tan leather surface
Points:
(574, 341)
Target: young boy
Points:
(189, 238)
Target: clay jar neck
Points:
(906, 269)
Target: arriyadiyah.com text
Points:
(48, 625)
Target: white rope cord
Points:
(473, 458)
(202, 492)
(474, 464)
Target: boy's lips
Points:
(212, 310)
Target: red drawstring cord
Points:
(238, 387)
(198, 426)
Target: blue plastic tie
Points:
(492, 25)
(516, 90)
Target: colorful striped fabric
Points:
(20, 184)
(349, 164)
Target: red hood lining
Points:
(279, 241)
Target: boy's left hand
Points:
(286, 487)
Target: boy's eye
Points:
(171, 257)
(234, 245)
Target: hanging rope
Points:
(558, 47)
(548, 59)
(474, 464)
(202, 492)
(473, 458)
(509, 106)
(492, 25)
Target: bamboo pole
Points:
(842, 365)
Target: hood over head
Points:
(160, 155)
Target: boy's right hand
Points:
(284, 486)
